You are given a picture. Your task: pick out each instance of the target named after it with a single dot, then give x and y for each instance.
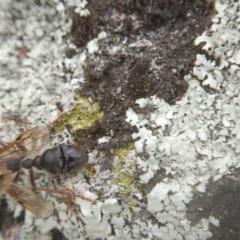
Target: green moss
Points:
(132, 202)
(99, 157)
(82, 118)
(70, 202)
(90, 170)
(123, 176)
(101, 154)
(73, 174)
(101, 196)
(122, 153)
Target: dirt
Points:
(155, 52)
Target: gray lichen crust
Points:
(146, 174)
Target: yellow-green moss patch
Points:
(124, 171)
(82, 118)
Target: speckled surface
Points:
(145, 188)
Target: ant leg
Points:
(62, 115)
(65, 193)
(2, 143)
(16, 178)
(32, 178)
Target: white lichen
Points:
(173, 138)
